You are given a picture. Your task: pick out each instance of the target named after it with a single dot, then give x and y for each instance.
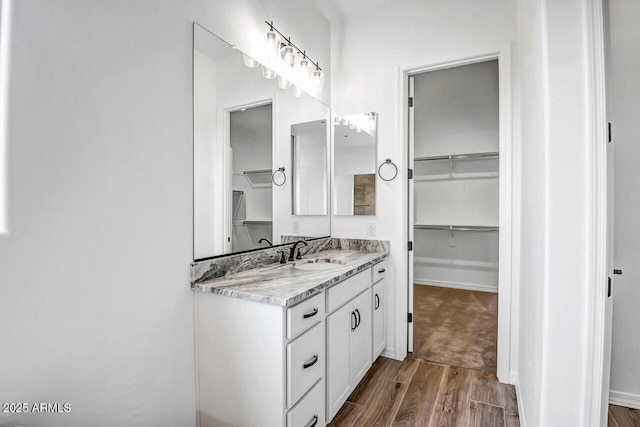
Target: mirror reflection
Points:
(310, 180)
(244, 129)
(355, 164)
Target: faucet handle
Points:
(283, 258)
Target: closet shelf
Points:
(247, 222)
(464, 156)
(455, 227)
(259, 178)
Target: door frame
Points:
(601, 233)
(508, 210)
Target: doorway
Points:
(458, 204)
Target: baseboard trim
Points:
(454, 285)
(523, 422)
(627, 400)
(389, 353)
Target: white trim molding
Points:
(596, 373)
(521, 417)
(621, 398)
(456, 285)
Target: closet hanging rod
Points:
(455, 227)
(466, 156)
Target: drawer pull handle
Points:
(359, 318)
(354, 321)
(382, 270)
(377, 304)
(311, 362)
(310, 314)
(314, 421)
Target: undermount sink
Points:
(319, 264)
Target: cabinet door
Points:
(361, 337)
(339, 325)
(377, 300)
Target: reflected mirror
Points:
(355, 164)
(310, 177)
(245, 170)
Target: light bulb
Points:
(283, 83)
(271, 44)
(249, 61)
(267, 73)
(372, 122)
(297, 92)
(317, 80)
(302, 68)
(287, 55)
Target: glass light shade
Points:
(352, 125)
(288, 56)
(372, 122)
(283, 83)
(267, 73)
(317, 80)
(302, 68)
(297, 92)
(249, 61)
(358, 129)
(271, 45)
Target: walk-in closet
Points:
(455, 139)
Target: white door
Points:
(411, 219)
(339, 331)
(378, 319)
(361, 337)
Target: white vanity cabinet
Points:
(378, 273)
(348, 342)
(250, 373)
(261, 364)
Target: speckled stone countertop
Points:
(285, 285)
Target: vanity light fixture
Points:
(295, 65)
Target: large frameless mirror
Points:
(246, 174)
(354, 177)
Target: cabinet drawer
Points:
(347, 290)
(304, 315)
(379, 271)
(310, 411)
(305, 363)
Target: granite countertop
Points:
(284, 285)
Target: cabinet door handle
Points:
(310, 314)
(382, 270)
(377, 303)
(310, 363)
(354, 321)
(313, 421)
(359, 318)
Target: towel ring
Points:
(279, 181)
(388, 162)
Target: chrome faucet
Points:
(264, 239)
(293, 250)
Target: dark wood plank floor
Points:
(456, 327)
(620, 416)
(416, 392)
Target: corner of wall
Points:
(5, 29)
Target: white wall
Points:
(624, 106)
(557, 237)
(365, 76)
(96, 309)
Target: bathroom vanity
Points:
(286, 344)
